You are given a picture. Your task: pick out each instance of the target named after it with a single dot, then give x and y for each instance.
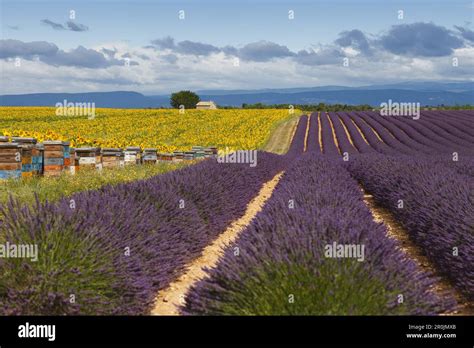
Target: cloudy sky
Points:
(156, 47)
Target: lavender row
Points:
(455, 128)
(428, 134)
(372, 137)
(283, 255)
(329, 146)
(114, 248)
(297, 143)
(387, 134)
(458, 117)
(443, 134)
(400, 140)
(402, 136)
(312, 142)
(412, 129)
(359, 142)
(435, 205)
(342, 138)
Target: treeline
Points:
(452, 107)
(304, 107)
(337, 107)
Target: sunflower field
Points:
(166, 129)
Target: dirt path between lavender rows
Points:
(395, 230)
(169, 299)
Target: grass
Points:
(280, 138)
(53, 188)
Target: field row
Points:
(282, 267)
(434, 133)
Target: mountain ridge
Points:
(426, 93)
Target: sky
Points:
(157, 47)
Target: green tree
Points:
(187, 98)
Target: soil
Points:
(169, 299)
(395, 230)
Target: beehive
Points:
(199, 154)
(28, 155)
(210, 152)
(150, 156)
(10, 160)
(67, 155)
(54, 152)
(189, 155)
(38, 159)
(88, 157)
(165, 157)
(74, 164)
(132, 155)
(112, 157)
(26, 160)
(178, 156)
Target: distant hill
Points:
(351, 97)
(415, 86)
(426, 93)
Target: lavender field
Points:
(245, 172)
(315, 247)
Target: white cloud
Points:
(160, 71)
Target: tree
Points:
(187, 98)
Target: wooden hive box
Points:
(199, 154)
(10, 160)
(73, 165)
(150, 156)
(26, 160)
(132, 155)
(67, 155)
(112, 157)
(28, 155)
(36, 161)
(189, 155)
(38, 158)
(210, 152)
(53, 158)
(88, 157)
(165, 157)
(178, 156)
